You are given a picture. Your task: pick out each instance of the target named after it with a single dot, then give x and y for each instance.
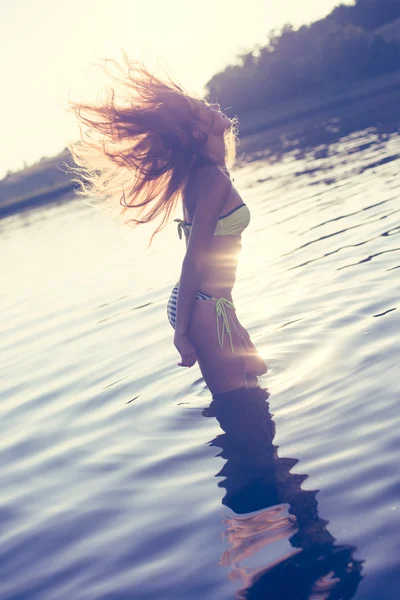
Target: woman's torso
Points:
(220, 273)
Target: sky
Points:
(48, 49)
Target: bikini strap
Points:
(220, 307)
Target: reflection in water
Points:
(256, 479)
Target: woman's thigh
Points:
(222, 369)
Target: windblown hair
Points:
(139, 155)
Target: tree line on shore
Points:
(331, 53)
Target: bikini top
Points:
(233, 223)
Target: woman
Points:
(168, 147)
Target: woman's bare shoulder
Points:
(213, 188)
(210, 179)
(206, 180)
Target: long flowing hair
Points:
(138, 156)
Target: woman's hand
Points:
(186, 350)
(253, 361)
(244, 336)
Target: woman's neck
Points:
(216, 149)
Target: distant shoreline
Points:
(329, 103)
(361, 105)
(36, 199)
(45, 182)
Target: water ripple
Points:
(122, 480)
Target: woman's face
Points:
(214, 117)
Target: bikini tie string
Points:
(220, 307)
(182, 226)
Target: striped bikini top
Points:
(233, 223)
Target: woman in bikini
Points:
(168, 147)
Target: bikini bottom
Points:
(221, 304)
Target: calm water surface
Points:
(121, 482)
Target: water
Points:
(117, 480)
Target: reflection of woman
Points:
(256, 479)
(165, 147)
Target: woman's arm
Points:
(213, 187)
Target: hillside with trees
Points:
(329, 54)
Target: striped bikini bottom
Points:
(220, 311)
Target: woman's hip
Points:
(172, 303)
(215, 311)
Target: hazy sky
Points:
(47, 47)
